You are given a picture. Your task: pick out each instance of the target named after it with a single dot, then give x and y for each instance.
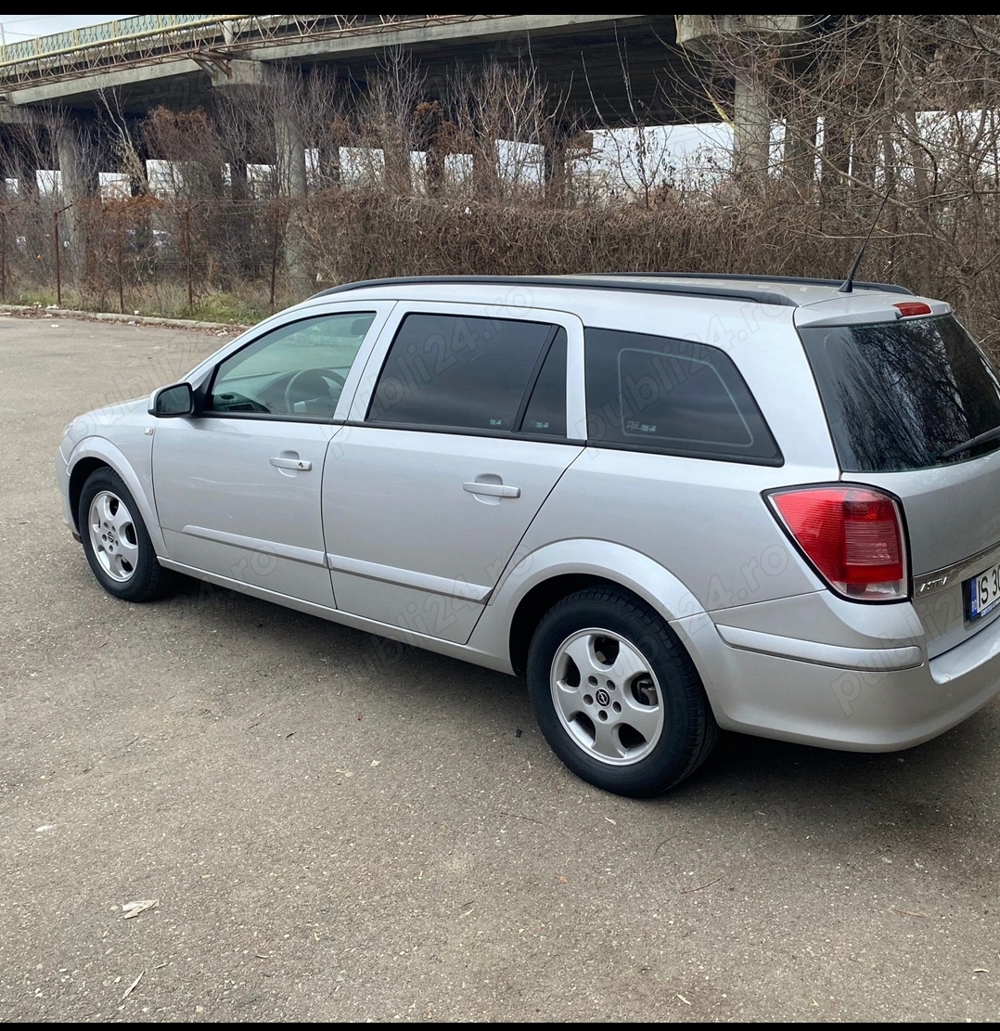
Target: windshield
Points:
(899, 394)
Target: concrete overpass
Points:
(606, 70)
(177, 60)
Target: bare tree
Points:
(298, 177)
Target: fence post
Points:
(57, 243)
(274, 254)
(121, 261)
(3, 255)
(58, 246)
(186, 236)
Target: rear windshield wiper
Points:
(982, 438)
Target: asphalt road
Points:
(336, 828)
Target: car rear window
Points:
(655, 393)
(898, 395)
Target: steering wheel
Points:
(311, 383)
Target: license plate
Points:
(983, 592)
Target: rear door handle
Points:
(301, 464)
(494, 490)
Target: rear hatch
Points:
(904, 396)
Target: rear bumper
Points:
(874, 699)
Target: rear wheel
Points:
(616, 695)
(115, 540)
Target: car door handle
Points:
(302, 464)
(494, 490)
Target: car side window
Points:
(458, 372)
(295, 371)
(654, 393)
(545, 413)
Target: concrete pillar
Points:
(133, 156)
(134, 170)
(429, 136)
(214, 180)
(706, 34)
(239, 181)
(434, 168)
(752, 127)
(863, 161)
(398, 173)
(554, 170)
(4, 227)
(5, 165)
(21, 147)
(799, 166)
(836, 153)
(239, 78)
(485, 172)
(290, 168)
(234, 227)
(26, 170)
(80, 181)
(329, 164)
(290, 152)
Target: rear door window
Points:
(655, 393)
(460, 372)
(898, 395)
(545, 413)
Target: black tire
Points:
(680, 708)
(127, 566)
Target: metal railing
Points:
(155, 38)
(120, 31)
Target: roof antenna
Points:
(848, 287)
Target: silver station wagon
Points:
(676, 503)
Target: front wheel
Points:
(616, 695)
(115, 540)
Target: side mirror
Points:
(172, 402)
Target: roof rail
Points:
(722, 291)
(732, 277)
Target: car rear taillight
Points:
(852, 536)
